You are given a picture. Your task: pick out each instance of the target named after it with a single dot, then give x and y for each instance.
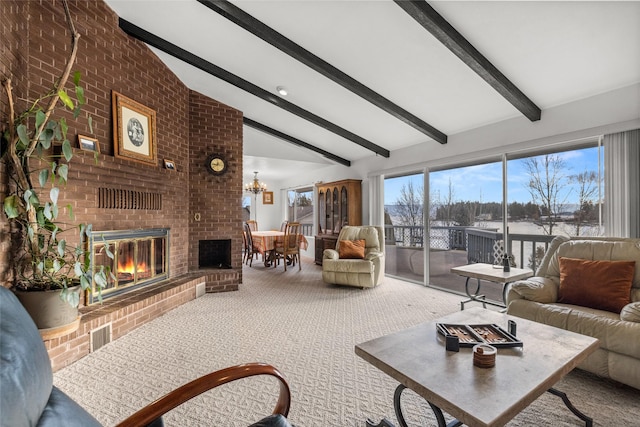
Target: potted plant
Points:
(37, 154)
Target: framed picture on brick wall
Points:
(134, 130)
(87, 143)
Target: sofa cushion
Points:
(631, 312)
(25, 369)
(351, 249)
(614, 334)
(604, 285)
(275, 420)
(348, 266)
(61, 411)
(609, 249)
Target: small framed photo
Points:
(169, 164)
(267, 198)
(87, 143)
(134, 130)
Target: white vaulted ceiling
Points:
(553, 52)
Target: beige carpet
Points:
(308, 330)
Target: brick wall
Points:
(215, 128)
(190, 126)
(14, 51)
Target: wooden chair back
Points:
(249, 243)
(290, 249)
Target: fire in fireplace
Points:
(140, 258)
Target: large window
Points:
(547, 194)
(246, 208)
(552, 194)
(300, 208)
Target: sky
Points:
(484, 182)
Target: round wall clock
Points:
(217, 164)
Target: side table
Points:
(489, 273)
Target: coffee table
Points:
(491, 273)
(448, 381)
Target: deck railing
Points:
(482, 244)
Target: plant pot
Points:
(48, 310)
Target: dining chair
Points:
(253, 225)
(283, 226)
(290, 248)
(249, 248)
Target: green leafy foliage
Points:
(48, 260)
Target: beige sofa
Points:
(364, 273)
(536, 299)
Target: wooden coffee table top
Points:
(416, 357)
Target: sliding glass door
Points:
(465, 206)
(461, 216)
(405, 227)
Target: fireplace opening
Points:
(214, 253)
(140, 257)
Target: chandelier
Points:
(256, 186)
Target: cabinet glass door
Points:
(336, 210)
(329, 213)
(322, 213)
(344, 207)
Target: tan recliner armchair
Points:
(364, 273)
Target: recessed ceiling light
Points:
(282, 90)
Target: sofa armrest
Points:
(372, 255)
(631, 312)
(330, 254)
(538, 289)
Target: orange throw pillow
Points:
(351, 249)
(604, 285)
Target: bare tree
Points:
(410, 205)
(587, 190)
(410, 210)
(449, 203)
(547, 179)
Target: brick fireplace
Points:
(120, 194)
(214, 253)
(138, 258)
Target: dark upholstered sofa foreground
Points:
(29, 398)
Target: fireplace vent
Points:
(115, 198)
(100, 337)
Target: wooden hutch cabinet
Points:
(339, 204)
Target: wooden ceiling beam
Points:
(433, 22)
(281, 135)
(245, 85)
(274, 38)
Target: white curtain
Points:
(622, 184)
(376, 200)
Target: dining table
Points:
(265, 242)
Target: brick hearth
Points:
(133, 309)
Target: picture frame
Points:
(88, 143)
(169, 164)
(134, 130)
(267, 197)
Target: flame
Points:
(130, 268)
